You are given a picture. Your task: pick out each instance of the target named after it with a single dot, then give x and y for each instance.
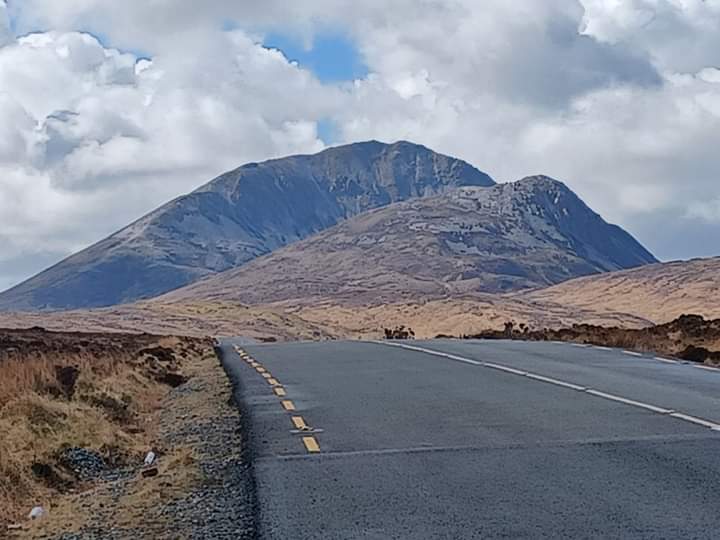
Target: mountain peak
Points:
(525, 234)
(239, 216)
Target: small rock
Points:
(149, 473)
(85, 463)
(37, 513)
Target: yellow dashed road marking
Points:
(299, 422)
(311, 444)
(273, 382)
(288, 405)
(267, 376)
(280, 392)
(260, 369)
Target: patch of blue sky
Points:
(328, 131)
(331, 57)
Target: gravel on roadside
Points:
(203, 486)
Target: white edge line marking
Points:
(505, 368)
(621, 399)
(666, 360)
(696, 420)
(590, 391)
(633, 353)
(430, 351)
(550, 380)
(598, 347)
(708, 368)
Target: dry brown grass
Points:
(659, 293)
(134, 503)
(118, 385)
(218, 318)
(689, 337)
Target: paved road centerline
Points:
(497, 447)
(452, 451)
(565, 384)
(288, 405)
(311, 444)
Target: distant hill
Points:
(237, 217)
(526, 234)
(659, 293)
(636, 298)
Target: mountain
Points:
(531, 233)
(659, 293)
(237, 217)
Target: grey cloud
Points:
(569, 65)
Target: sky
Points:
(109, 109)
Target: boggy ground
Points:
(78, 414)
(689, 337)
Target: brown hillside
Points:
(658, 292)
(530, 233)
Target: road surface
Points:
(473, 439)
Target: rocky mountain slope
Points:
(659, 293)
(241, 215)
(531, 233)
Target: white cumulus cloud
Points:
(619, 99)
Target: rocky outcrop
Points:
(531, 233)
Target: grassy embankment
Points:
(91, 391)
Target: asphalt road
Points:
(478, 440)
